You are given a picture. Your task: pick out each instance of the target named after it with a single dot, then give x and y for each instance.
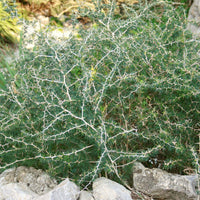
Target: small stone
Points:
(105, 189)
(85, 195)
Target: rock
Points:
(34, 30)
(35, 180)
(85, 195)
(12, 55)
(194, 18)
(164, 186)
(66, 190)
(105, 189)
(7, 176)
(25, 183)
(15, 191)
(43, 20)
(138, 167)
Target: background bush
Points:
(8, 22)
(121, 91)
(58, 8)
(62, 9)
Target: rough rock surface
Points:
(24, 183)
(162, 185)
(194, 18)
(85, 195)
(15, 191)
(105, 189)
(35, 180)
(66, 190)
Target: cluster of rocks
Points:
(24, 183)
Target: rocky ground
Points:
(148, 184)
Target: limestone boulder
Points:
(66, 190)
(162, 185)
(15, 191)
(105, 189)
(194, 18)
(36, 180)
(85, 195)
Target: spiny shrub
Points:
(124, 90)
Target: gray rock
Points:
(7, 176)
(194, 18)
(138, 167)
(105, 189)
(85, 195)
(15, 191)
(35, 180)
(66, 190)
(162, 185)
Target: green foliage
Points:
(8, 23)
(125, 90)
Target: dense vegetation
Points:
(8, 22)
(123, 90)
